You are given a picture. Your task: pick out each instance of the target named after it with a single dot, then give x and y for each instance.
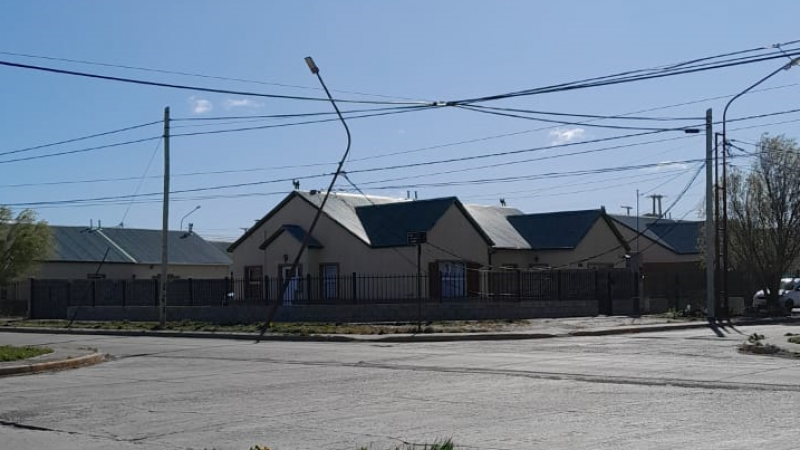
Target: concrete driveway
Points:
(678, 389)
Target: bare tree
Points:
(764, 214)
(23, 241)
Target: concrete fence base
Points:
(351, 313)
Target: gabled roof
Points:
(678, 236)
(376, 221)
(341, 208)
(295, 231)
(555, 230)
(388, 225)
(132, 246)
(493, 220)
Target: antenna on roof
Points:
(627, 209)
(415, 195)
(502, 202)
(296, 184)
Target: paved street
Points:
(679, 389)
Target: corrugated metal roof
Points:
(341, 207)
(129, 245)
(494, 222)
(681, 236)
(678, 236)
(388, 225)
(294, 231)
(80, 244)
(221, 245)
(556, 230)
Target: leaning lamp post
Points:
(724, 293)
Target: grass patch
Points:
(299, 328)
(12, 353)
(443, 445)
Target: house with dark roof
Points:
(563, 239)
(368, 235)
(121, 253)
(661, 241)
(360, 234)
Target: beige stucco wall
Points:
(453, 234)
(652, 252)
(599, 239)
(80, 270)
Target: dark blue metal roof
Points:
(676, 235)
(555, 230)
(129, 245)
(388, 225)
(295, 231)
(680, 236)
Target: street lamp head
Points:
(311, 65)
(792, 63)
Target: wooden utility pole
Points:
(162, 300)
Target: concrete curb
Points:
(49, 366)
(406, 338)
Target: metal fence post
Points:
(309, 295)
(30, 297)
(94, 293)
(519, 284)
(637, 299)
(610, 297)
(355, 287)
(124, 291)
(265, 289)
(156, 290)
(226, 290)
(191, 291)
(558, 285)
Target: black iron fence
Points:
(14, 299)
(51, 298)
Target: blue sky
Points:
(394, 51)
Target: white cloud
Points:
(200, 105)
(562, 136)
(669, 165)
(242, 103)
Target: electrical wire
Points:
(194, 88)
(141, 180)
(82, 150)
(189, 74)
(77, 139)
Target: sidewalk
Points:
(530, 329)
(63, 357)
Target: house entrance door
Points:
(294, 290)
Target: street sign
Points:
(417, 237)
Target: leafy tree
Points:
(23, 241)
(764, 214)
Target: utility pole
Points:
(162, 300)
(711, 312)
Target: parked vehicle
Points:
(789, 291)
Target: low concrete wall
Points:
(344, 313)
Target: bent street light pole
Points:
(711, 312)
(307, 238)
(187, 215)
(725, 240)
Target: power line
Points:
(189, 74)
(81, 138)
(625, 77)
(495, 112)
(194, 88)
(141, 180)
(82, 150)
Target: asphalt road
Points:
(680, 389)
